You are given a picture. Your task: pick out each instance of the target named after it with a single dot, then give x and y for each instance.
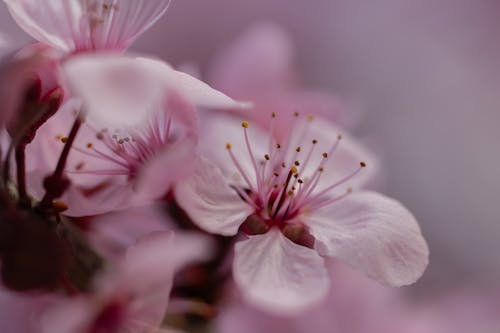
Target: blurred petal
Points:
(278, 275)
(148, 263)
(210, 202)
(167, 167)
(257, 65)
(121, 91)
(374, 234)
(117, 91)
(197, 92)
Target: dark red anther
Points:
(299, 234)
(255, 225)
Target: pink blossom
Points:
(131, 298)
(298, 201)
(86, 25)
(140, 120)
(260, 66)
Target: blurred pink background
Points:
(426, 76)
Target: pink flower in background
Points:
(297, 202)
(86, 25)
(260, 66)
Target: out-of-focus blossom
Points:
(21, 312)
(260, 66)
(358, 305)
(131, 298)
(355, 304)
(293, 200)
(86, 25)
(113, 233)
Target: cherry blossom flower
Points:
(138, 138)
(86, 25)
(131, 298)
(298, 201)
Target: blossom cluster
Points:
(134, 197)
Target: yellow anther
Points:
(293, 170)
(310, 117)
(244, 124)
(228, 146)
(89, 145)
(64, 139)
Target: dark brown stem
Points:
(21, 173)
(55, 184)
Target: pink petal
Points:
(75, 25)
(197, 92)
(147, 266)
(117, 91)
(120, 91)
(210, 202)
(373, 234)
(114, 233)
(167, 167)
(69, 315)
(278, 275)
(257, 65)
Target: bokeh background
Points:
(424, 75)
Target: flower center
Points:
(125, 152)
(286, 181)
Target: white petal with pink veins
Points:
(210, 202)
(374, 234)
(86, 25)
(278, 275)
